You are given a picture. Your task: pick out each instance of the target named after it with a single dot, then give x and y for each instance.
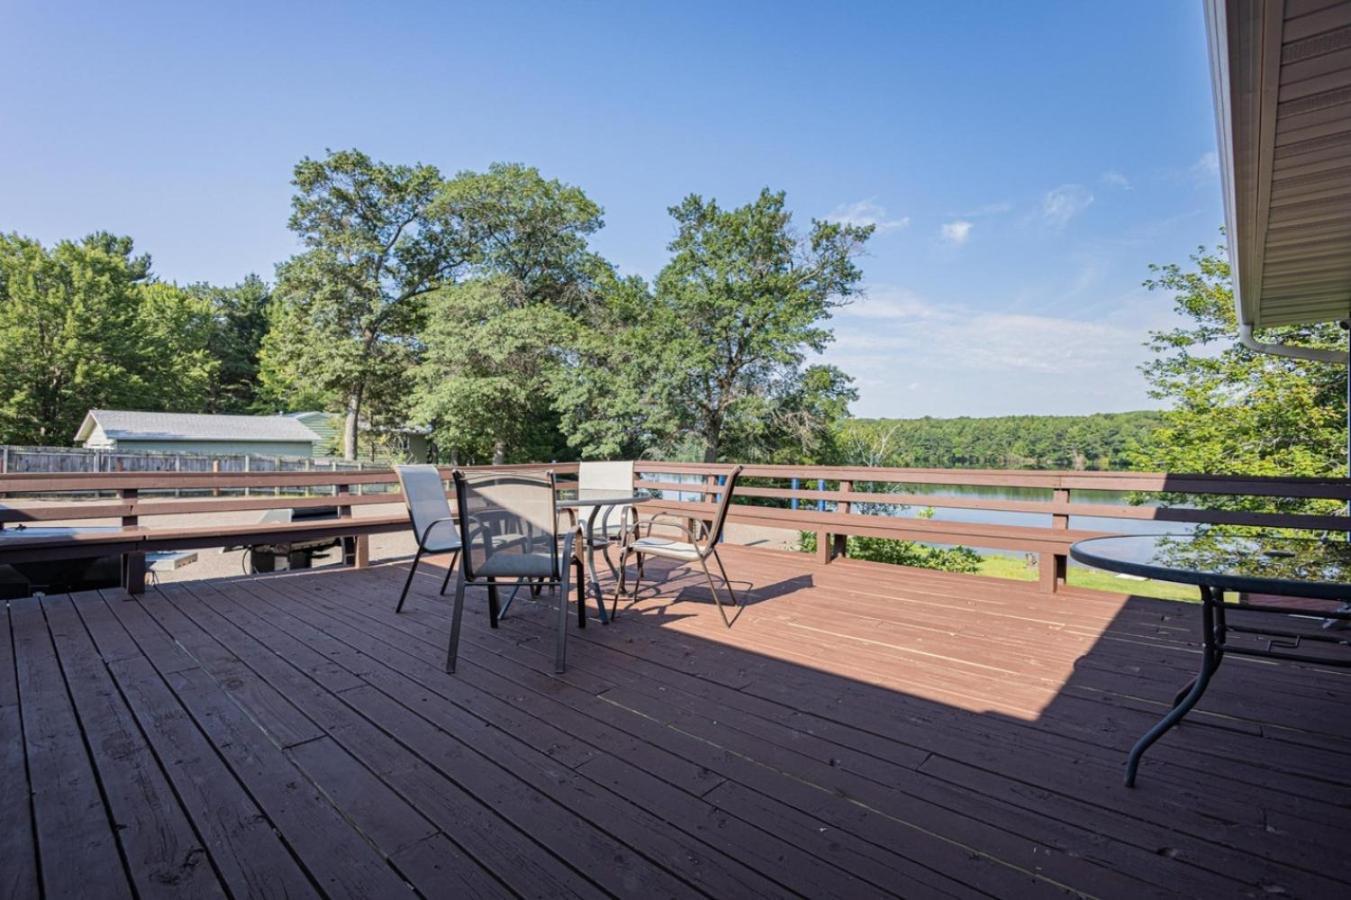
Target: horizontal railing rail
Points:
(855, 506)
(833, 502)
(129, 498)
(90, 495)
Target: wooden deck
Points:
(861, 731)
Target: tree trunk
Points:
(499, 453)
(349, 431)
(712, 435)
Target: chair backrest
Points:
(605, 476)
(506, 512)
(424, 493)
(728, 487)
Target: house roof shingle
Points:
(121, 424)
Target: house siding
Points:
(216, 448)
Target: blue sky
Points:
(1024, 162)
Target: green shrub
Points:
(902, 553)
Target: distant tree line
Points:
(473, 305)
(1093, 442)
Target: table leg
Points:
(1212, 644)
(591, 565)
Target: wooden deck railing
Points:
(847, 508)
(854, 501)
(131, 497)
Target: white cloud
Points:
(866, 212)
(956, 233)
(992, 361)
(889, 303)
(1113, 178)
(1064, 203)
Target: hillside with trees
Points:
(1099, 441)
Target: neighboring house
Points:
(404, 443)
(116, 429)
(327, 426)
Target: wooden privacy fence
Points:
(15, 459)
(130, 497)
(857, 498)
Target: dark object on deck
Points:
(294, 554)
(20, 579)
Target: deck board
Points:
(861, 731)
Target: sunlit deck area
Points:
(862, 730)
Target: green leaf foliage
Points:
(1099, 441)
(709, 361)
(350, 307)
(83, 326)
(1233, 411)
(486, 378)
(902, 553)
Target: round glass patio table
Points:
(598, 499)
(1287, 567)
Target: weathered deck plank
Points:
(860, 731)
(77, 846)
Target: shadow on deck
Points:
(862, 731)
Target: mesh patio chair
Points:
(509, 532)
(612, 522)
(690, 546)
(424, 494)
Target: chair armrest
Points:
(422, 538)
(667, 520)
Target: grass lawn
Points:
(1011, 567)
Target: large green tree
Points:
(487, 378)
(530, 229)
(496, 346)
(617, 397)
(83, 326)
(1235, 411)
(349, 307)
(744, 299)
(239, 322)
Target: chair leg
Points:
(408, 582)
(457, 613)
(561, 648)
(619, 582)
(502, 613)
(725, 580)
(492, 602)
(717, 598)
(580, 570)
(450, 569)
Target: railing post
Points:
(841, 547)
(133, 564)
(1053, 568)
(356, 548)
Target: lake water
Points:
(998, 517)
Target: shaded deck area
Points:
(861, 731)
